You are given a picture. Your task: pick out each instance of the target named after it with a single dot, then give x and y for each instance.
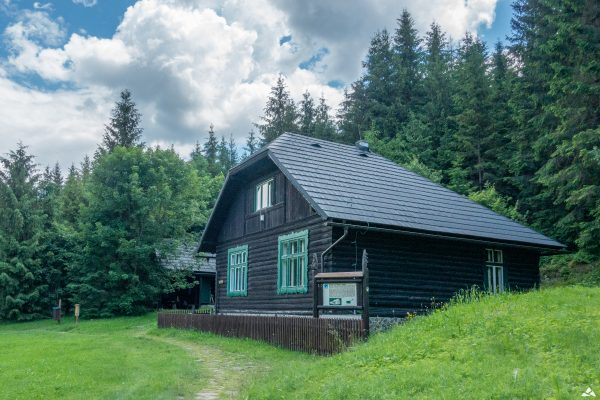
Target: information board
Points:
(340, 294)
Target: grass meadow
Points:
(542, 344)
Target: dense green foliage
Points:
(516, 129)
(97, 237)
(542, 344)
(522, 119)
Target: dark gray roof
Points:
(186, 257)
(341, 183)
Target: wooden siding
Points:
(409, 274)
(262, 270)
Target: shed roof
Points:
(344, 184)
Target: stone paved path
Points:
(224, 369)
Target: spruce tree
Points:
(23, 284)
(306, 115)
(407, 69)
(252, 143)
(123, 128)
(472, 139)
(280, 113)
(211, 152)
(379, 86)
(233, 153)
(571, 176)
(324, 126)
(224, 156)
(352, 115)
(437, 94)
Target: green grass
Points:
(543, 344)
(103, 359)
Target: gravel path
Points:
(224, 369)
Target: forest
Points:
(514, 128)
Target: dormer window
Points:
(263, 195)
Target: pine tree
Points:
(571, 176)
(224, 156)
(233, 153)
(407, 64)
(211, 152)
(72, 198)
(324, 126)
(23, 285)
(503, 124)
(123, 128)
(352, 115)
(530, 100)
(306, 115)
(252, 143)
(379, 86)
(279, 113)
(472, 98)
(86, 168)
(437, 95)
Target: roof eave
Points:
(543, 249)
(203, 244)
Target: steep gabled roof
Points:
(344, 184)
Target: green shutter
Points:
(237, 293)
(303, 235)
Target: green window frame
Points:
(237, 271)
(292, 263)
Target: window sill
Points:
(266, 209)
(237, 294)
(295, 290)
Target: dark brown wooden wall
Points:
(290, 213)
(262, 270)
(409, 274)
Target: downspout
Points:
(327, 250)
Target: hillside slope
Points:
(542, 344)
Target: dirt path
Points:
(225, 370)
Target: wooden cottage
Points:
(301, 206)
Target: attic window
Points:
(363, 154)
(317, 145)
(263, 195)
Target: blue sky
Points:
(189, 63)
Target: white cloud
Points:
(86, 3)
(189, 65)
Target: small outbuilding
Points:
(201, 268)
(302, 206)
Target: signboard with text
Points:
(340, 294)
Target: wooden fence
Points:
(313, 335)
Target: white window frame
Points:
(495, 271)
(263, 194)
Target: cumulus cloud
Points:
(86, 3)
(189, 65)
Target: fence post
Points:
(365, 294)
(315, 266)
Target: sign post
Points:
(343, 292)
(76, 313)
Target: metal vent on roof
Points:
(317, 145)
(362, 146)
